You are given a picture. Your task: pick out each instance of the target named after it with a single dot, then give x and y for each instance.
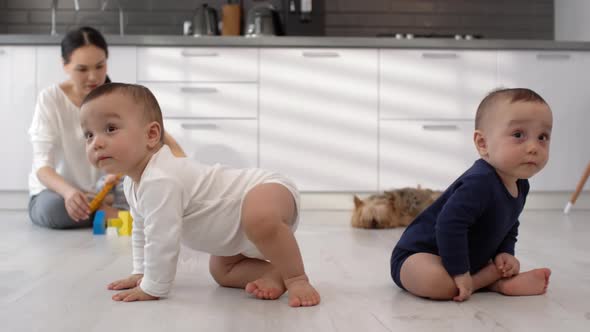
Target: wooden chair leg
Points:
(579, 188)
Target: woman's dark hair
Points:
(81, 37)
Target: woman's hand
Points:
(77, 205)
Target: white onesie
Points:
(179, 200)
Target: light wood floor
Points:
(55, 281)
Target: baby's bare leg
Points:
(267, 213)
(238, 271)
(424, 275)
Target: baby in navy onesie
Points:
(465, 240)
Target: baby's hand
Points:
(464, 283)
(507, 265)
(134, 294)
(129, 282)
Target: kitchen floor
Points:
(56, 281)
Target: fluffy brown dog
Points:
(392, 208)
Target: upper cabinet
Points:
(561, 79)
(318, 117)
(121, 65)
(17, 104)
(434, 84)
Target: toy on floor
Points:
(579, 188)
(395, 208)
(124, 223)
(97, 201)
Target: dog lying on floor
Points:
(396, 208)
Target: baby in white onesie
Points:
(245, 218)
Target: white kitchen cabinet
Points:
(210, 100)
(197, 64)
(428, 153)
(560, 77)
(434, 84)
(17, 103)
(229, 142)
(121, 65)
(318, 117)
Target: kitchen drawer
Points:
(196, 64)
(427, 153)
(439, 84)
(230, 142)
(207, 100)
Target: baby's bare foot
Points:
(267, 287)
(532, 282)
(301, 292)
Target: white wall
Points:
(572, 20)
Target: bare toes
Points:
(251, 288)
(266, 289)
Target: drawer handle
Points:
(199, 54)
(440, 55)
(440, 127)
(194, 89)
(320, 54)
(199, 126)
(553, 56)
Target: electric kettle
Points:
(263, 20)
(205, 22)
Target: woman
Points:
(62, 179)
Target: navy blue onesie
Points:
(475, 219)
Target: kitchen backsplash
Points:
(498, 19)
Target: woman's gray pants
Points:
(48, 209)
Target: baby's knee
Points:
(262, 225)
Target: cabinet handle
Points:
(199, 126)
(440, 127)
(194, 89)
(320, 54)
(440, 55)
(553, 56)
(198, 54)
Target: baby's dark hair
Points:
(140, 95)
(512, 95)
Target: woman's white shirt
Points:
(58, 142)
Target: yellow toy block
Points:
(124, 223)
